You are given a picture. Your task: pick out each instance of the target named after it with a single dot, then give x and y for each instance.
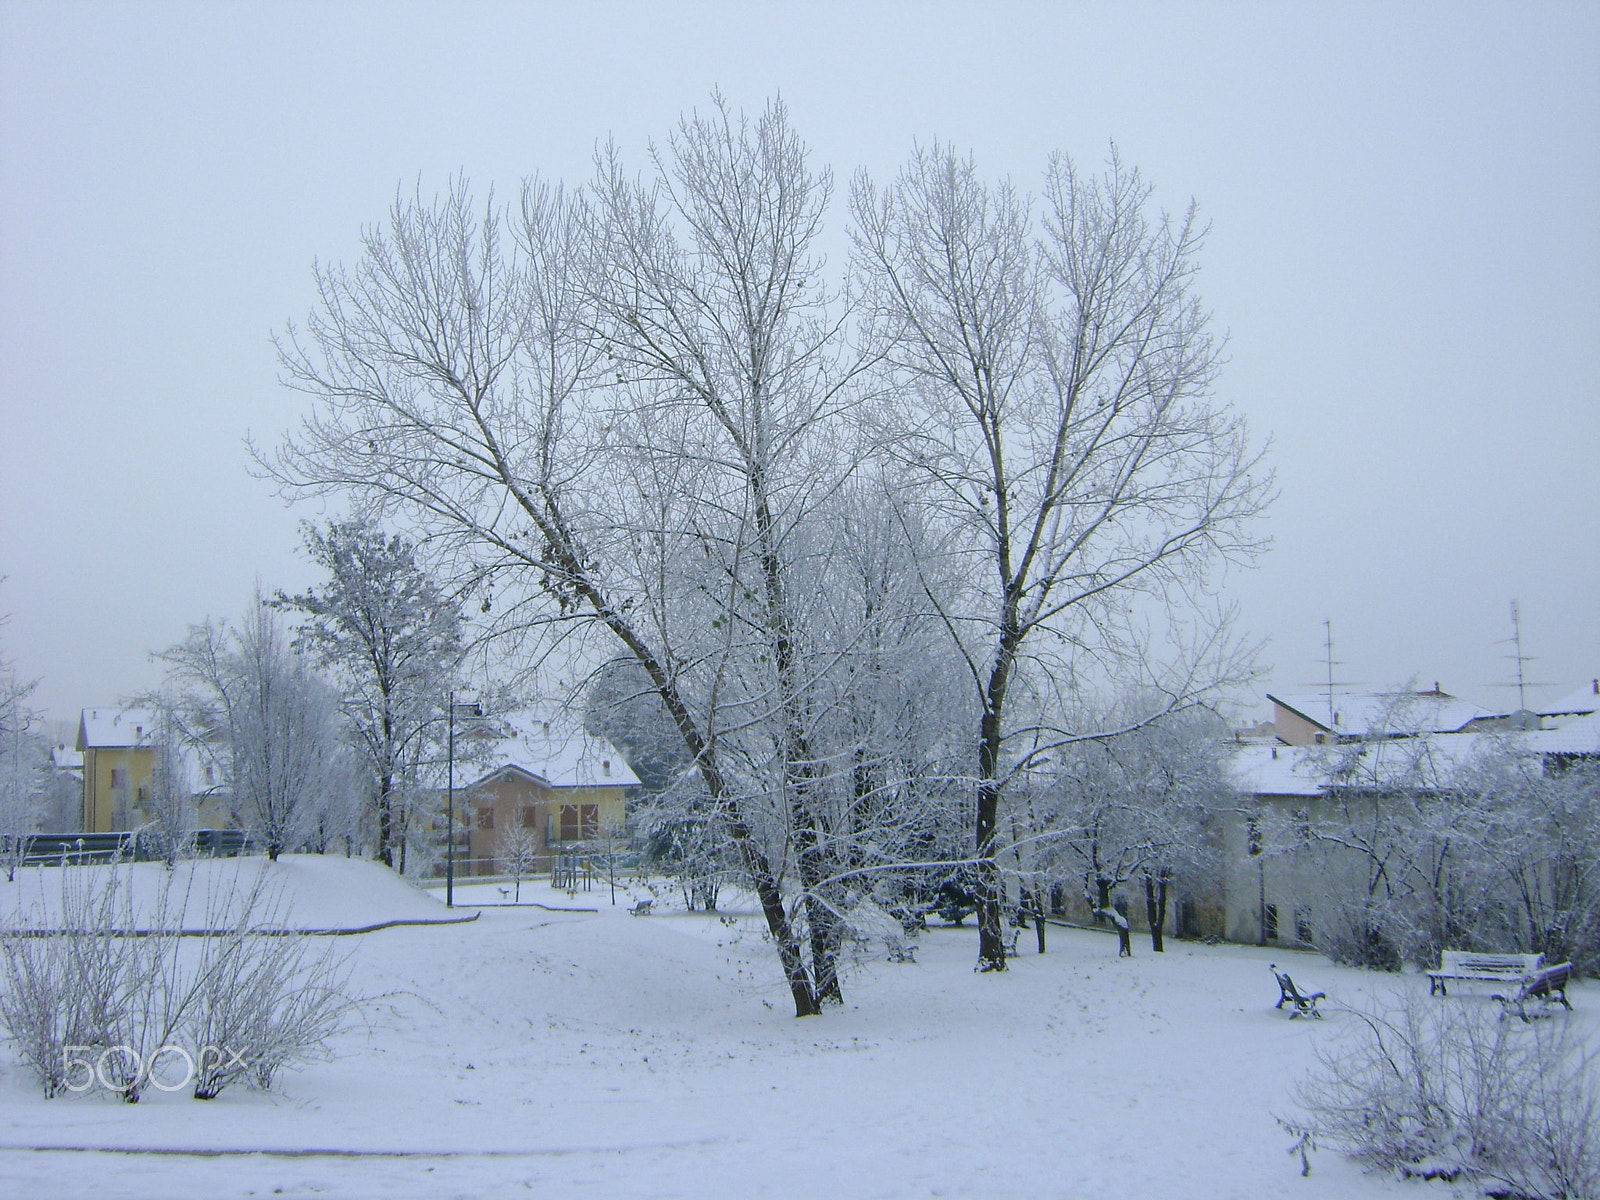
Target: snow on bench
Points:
(1304, 1005)
(1549, 984)
(1491, 968)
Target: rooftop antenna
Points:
(1327, 633)
(1328, 684)
(1517, 656)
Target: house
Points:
(1316, 720)
(115, 758)
(119, 754)
(1368, 750)
(567, 789)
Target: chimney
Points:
(1596, 686)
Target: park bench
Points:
(641, 909)
(1547, 985)
(1304, 1005)
(1488, 968)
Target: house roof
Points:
(1585, 700)
(561, 758)
(1435, 761)
(1265, 770)
(115, 728)
(1386, 712)
(1581, 735)
(64, 758)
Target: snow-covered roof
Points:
(1580, 735)
(115, 728)
(1387, 712)
(1265, 770)
(65, 758)
(1433, 761)
(1585, 700)
(561, 757)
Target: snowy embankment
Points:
(299, 891)
(602, 1055)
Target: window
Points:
(1253, 830)
(485, 816)
(579, 822)
(1302, 927)
(1270, 919)
(530, 817)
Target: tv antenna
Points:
(1517, 656)
(1329, 684)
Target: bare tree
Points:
(1133, 807)
(455, 377)
(266, 719)
(1056, 380)
(19, 770)
(711, 308)
(516, 849)
(169, 833)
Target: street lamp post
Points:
(450, 808)
(467, 710)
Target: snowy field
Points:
(575, 1054)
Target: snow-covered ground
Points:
(598, 1054)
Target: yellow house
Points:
(119, 757)
(568, 792)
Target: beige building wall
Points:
(115, 781)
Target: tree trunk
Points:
(987, 888)
(1038, 918)
(1124, 933)
(821, 921)
(1155, 908)
(386, 820)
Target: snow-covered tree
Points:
(391, 638)
(1053, 372)
(170, 805)
(1133, 807)
(637, 416)
(516, 852)
(509, 394)
(263, 716)
(21, 765)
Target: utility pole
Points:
(450, 806)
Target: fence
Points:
(52, 849)
(574, 871)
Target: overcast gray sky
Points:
(1405, 204)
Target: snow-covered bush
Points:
(104, 989)
(263, 1002)
(1451, 1091)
